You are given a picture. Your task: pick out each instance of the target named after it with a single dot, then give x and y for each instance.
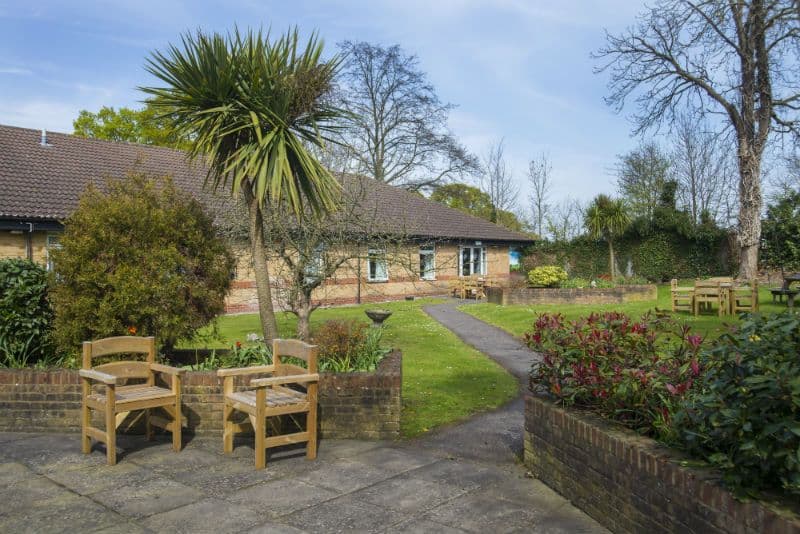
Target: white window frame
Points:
(377, 255)
(429, 274)
(53, 242)
(482, 264)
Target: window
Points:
(377, 268)
(315, 265)
(472, 260)
(427, 262)
(53, 243)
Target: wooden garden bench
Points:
(744, 298)
(682, 298)
(116, 398)
(709, 293)
(291, 390)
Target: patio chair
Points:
(710, 293)
(682, 297)
(115, 396)
(281, 394)
(745, 298)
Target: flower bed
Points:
(554, 295)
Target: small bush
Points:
(634, 372)
(547, 276)
(25, 314)
(745, 419)
(576, 283)
(140, 256)
(349, 346)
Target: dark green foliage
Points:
(745, 419)
(348, 345)
(780, 233)
(141, 258)
(25, 314)
(654, 258)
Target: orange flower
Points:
(132, 330)
(238, 344)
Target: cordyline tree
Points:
(607, 218)
(736, 58)
(251, 108)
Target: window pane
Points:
(465, 261)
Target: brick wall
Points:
(546, 295)
(351, 405)
(631, 484)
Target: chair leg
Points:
(86, 441)
(111, 435)
(148, 428)
(260, 428)
(311, 423)
(176, 428)
(227, 429)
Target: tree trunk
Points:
(303, 313)
(611, 259)
(749, 212)
(258, 250)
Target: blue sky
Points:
(515, 69)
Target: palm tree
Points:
(251, 109)
(607, 218)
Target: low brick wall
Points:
(587, 295)
(351, 405)
(631, 484)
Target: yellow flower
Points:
(755, 338)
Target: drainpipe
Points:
(29, 242)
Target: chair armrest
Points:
(166, 369)
(290, 379)
(98, 376)
(244, 371)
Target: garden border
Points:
(630, 483)
(359, 405)
(586, 295)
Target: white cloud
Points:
(15, 71)
(38, 114)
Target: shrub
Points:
(745, 419)
(349, 346)
(547, 276)
(576, 283)
(25, 314)
(141, 257)
(633, 372)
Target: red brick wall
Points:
(544, 295)
(631, 484)
(351, 405)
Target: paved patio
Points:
(462, 478)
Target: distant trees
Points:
(144, 126)
(737, 59)
(607, 219)
(472, 200)
(641, 175)
(395, 123)
(541, 183)
(498, 182)
(781, 247)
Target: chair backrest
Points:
(723, 279)
(673, 284)
(121, 345)
(293, 348)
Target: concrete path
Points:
(464, 478)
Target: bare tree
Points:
(641, 176)
(397, 125)
(541, 182)
(498, 182)
(704, 170)
(737, 58)
(565, 220)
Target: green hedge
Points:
(26, 318)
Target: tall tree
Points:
(641, 175)
(737, 58)
(128, 125)
(541, 182)
(498, 182)
(396, 123)
(607, 219)
(250, 107)
(565, 220)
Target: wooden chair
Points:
(711, 293)
(270, 397)
(117, 398)
(682, 297)
(457, 288)
(745, 298)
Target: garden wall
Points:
(588, 295)
(631, 484)
(364, 405)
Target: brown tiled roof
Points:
(42, 183)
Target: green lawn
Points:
(518, 319)
(444, 380)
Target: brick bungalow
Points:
(42, 176)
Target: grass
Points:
(517, 319)
(444, 380)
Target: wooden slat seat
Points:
(275, 397)
(135, 393)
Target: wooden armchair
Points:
(710, 293)
(270, 397)
(745, 298)
(116, 398)
(682, 297)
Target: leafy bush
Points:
(578, 283)
(25, 314)
(349, 346)
(634, 372)
(547, 276)
(141, 256)
(745, 419)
